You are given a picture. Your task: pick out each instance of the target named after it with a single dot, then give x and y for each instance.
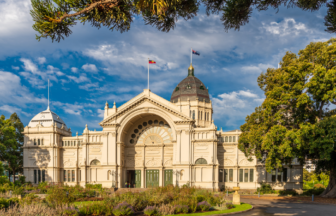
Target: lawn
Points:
(237, 208)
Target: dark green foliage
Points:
(229, 206)
(54, 18)
(288, 192)
(265, 189)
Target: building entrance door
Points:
(133, 179)
(152, 178)
(168, 177)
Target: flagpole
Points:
(148, 73)
(191, 56)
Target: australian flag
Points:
(195, 52)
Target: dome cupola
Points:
(47, 118)
(190, 88)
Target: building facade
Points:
(148, 142)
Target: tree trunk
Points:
(13, 177)
(330, 191)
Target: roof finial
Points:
(191, 70)
(48, 96)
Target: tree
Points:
(297, 119)
(53, 18)
(11, 142)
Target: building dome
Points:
(47, 118)
(191, 87)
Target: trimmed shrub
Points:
(229, 206)
(150, 210)
(203, 206)
(123, 209)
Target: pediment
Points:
(136, 103)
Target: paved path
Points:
(281, 208)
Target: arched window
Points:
(41, 141)
(95, 162)
(34, 141)
(226, 139)
(234, 138)
(230, 138)
(74, 143)
(38, 142)
(201, 161)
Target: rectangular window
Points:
(69, 176)
(226, 175)
(39, 175)
(73, 175)
(35, 176)
(241, 175)
(246, 175)
(34, 141)
(43, 175)
(71, 143)
(74, 143)
(62, 143)
(231, 175)
(65, 177)
(273, 175)
(41, 141)
(251, 175)
(220, 175)
(38, 142)
(279, 176)
(284, 177)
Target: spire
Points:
(191, 70)
(48, 96)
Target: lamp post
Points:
(177, 173)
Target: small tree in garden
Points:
(298, 117)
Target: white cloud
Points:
(90, 68)
(286, 27)
(12, 92)
(89, 86)
(73, 109)
(30, 66)
(80, 79)
(234, 106)
(15, 68)
(41, 60)
(11, 109)
(74, 69)
(100, 113)
(257, 68)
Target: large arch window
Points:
(95, 162)
(226, 139)
(230, 139)
(201, 161)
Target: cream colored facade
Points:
(148, 141)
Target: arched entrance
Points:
(148, 151)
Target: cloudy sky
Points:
(93, 66)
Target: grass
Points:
(237, 208)
(77, 204)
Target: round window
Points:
(140, 126)
(133, 136)
(161, 123)
(166, 125)
(132, 141)
(136, 130)
(144, 124)
(156, 121)
(150, 122)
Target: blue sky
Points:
(94, 66)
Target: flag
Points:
(151, 62)
(195, 52)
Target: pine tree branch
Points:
(91, 7)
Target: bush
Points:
(203, 206)
(30, 199)
(96, 208)
(94, 186)
(70, 211)
(229, 206)
(123, 209)
(18, 190)
(265, 189)
(3, 203)
(4, 180)
(310, 192)
(181, 209)
(58, 196)
(200, 198)
(288, 192)
(166, 209)
(150, 210)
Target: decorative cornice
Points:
(135, 104)
(185, 122)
